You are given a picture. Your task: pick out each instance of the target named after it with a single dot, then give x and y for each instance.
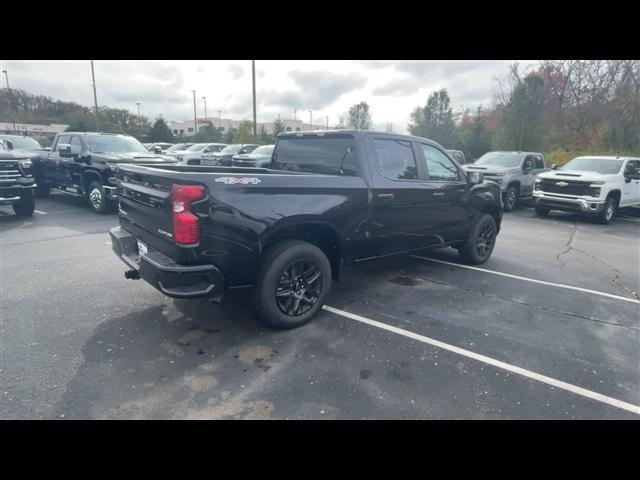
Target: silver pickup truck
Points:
(515, 172)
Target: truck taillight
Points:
(186, 226)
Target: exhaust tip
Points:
(132, 274)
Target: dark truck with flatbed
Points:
(16, 179)
(329, 199)
(82, 164)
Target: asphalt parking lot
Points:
(554, 335)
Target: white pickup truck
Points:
(591, 185)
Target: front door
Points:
(631, 189)
(52, 165)
(402, 209)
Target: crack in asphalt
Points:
(540, 307)
(617, 274)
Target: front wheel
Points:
(293, 284)
(97, 199)
(480, 245)
(25, 206)
(606, 215)
(510, 199)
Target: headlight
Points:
(595, 192)
(596, 184)
(26, 163)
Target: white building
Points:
(186, 129)
(31, 129)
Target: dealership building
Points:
(186, 129)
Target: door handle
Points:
(438, 194)
(386, 196)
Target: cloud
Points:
(236, 71)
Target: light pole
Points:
(253, 73)
(95, 96)
(195, 117)
(205, 108)
(310, 119)
(6, 76)
(138, 104)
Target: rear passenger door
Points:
(401, 205)
(527, 179)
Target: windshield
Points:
(231, 149)
(499, 159)
(599, 165)
(177, 146)
(26, 143)
(196, 147)
(108, 144)
(264, 150)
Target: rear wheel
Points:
(480, 245)
(606, 215)
(97, 199)
(542, 211)
(293, 284)
(511, 198)
(25, 206)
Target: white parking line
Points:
(41, 213)
(532, 280)
(491, 361)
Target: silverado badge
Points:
(562, 184)
(240, 181)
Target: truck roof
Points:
(355, 132)
(609, 157)
(94, 133)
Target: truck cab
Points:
(82, 164)
(514, 172)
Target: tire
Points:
(25, 206)
(510, 198)
(542, 211)
(97, 199)
(42, 190)
(481, 242)
(281, 302)
(609, 209)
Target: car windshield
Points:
(231, 149)
(196, 147)
(600, 165)
(264, 150)
(26, 143)
(176, 147)
(114, 144)
(500, 159)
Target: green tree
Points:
(160, 131)
(475, 139)
(209, 134)
(435, 120)
(244, 133)
(265, 138)
(278, 126)
(359, 117)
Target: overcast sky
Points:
(392, 89)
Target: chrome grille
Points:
(9, 171)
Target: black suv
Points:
(16, 180)
(82, 164)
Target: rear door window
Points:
(317, 154)
(539, 163)
(395, 159)
(439, 166)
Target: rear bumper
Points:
(567, 204)
(172, 279)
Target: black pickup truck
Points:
(16, 180)
(82, 164)
(329, 199)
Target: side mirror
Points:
(9, 144)
(157, 149)
(554, 166)
(475, 178)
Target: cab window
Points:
(76, 146)
(439, 166)
(395, 159)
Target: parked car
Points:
(194, 154)
(259, 158)
(82, 164)
(331, 199)
(458, 156)
(514, 172)
(224, 156)
(158, 147)
(23, 142)
(178, 147)
(596, 186)
(16, 180)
